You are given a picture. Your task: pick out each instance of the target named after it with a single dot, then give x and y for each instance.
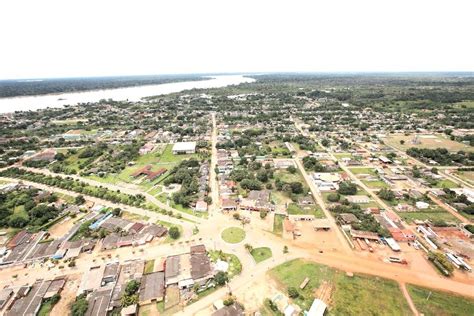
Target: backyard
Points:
(350, 295)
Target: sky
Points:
(75, 38)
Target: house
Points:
(201, 206)
(232, 310)
(257, 200)
(358, 199)
(152, 288)
(184, 148)
(321, 224)
(148, 147)
(150, 175)
(422, 205)
(228, 205)
(347, 218)
(284, 163)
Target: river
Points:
(131, 93)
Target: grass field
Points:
(168, 225)
(435, 214)
(357, 295)
(426, 141)
(343, 155)
(149, 265)
(363, 170)
(295, 209)
(233, 235)
(378, 184)
(261, 254)
(466, 176)
(235, 267)
(431, 302)
(278, 224)
(446, 183)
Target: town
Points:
(295, 194)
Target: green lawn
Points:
(149, 265)
(168, 225)
(432, 215)
(431, 302)
(343, 155)
(261, 254)
(295, 209)
(235, 267)
(363, 170)
(378, 184)
(278, 224)
(446, 183)
(357, 295)
(233, 235)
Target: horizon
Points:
(256, 73)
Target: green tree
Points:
(174, 232)
(221, 278)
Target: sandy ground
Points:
(60, 229)
(68, 295)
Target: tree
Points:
(402, 142)
(132, 287)
(236, 216)
(386, 194)
(174, 232)
(347, 188)
(333, 197)
(293, 292)
(221, 278)
(296, 187)
(285, 249)
(325, 142)
(248, 247)
(291, 169)
(229, 301)
(263, 214)
(80, 306)
(79, 200)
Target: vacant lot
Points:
(233, 235)
(434, 214)
(357, 295)
(430, 302)
(425, 141)
(466, 176)
(261, 254)
(278, 224)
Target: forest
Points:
(14, 88)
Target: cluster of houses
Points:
(27, 300)
(174, 280)
(123, 233)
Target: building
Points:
(358, 199)
(152, 288)
(201, 206)
(184, 148)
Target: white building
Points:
(184, 148)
